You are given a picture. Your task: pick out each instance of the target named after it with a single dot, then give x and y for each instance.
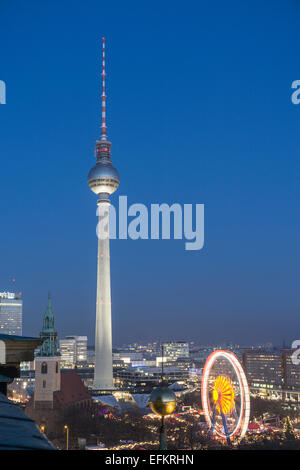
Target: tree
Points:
(288, 429)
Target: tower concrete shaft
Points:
(103, 375)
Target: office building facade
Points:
(73, 351)
(263, 369)
(11, 312)
(174, 350)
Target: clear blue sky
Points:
(199, 111)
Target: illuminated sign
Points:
(7, 295)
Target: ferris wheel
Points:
(225, 396)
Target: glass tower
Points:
(11, 306)
(73, 351)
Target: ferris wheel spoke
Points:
(235, 413)
(213, 421)
(225, 426)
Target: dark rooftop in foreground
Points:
(17, 431)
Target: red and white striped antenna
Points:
(103, 98)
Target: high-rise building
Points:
(263, 368)
(67, 349)
(272, 370)
(73, 351)
(11, 306)
(291, 370)
(174, 350)
(103, 180)
(81, 349)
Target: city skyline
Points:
(189, 124)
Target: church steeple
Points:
(48, 333)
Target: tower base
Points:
(105, 385)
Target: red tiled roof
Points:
(72, 389)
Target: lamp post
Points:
(67, 429)
(163, 403)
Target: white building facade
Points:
(73, 351)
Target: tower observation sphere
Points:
(103, 180)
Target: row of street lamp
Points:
(66, 427)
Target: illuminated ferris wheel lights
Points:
(226, 402)
(223, 395)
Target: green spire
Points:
(48, 333)
(48, 321)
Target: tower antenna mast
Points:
(103, 97)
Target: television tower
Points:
(103, 180)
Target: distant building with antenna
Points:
(11, 313)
